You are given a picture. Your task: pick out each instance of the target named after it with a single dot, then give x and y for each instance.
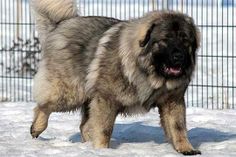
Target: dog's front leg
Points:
(173, 120)
(102, 117)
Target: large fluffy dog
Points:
(107, 67)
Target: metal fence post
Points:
(19, 14)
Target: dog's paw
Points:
(191, 152)
(33, 132)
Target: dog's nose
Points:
(177, 58)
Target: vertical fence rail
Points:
(213, 84)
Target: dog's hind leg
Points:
(40, 122)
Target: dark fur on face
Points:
(172, 42)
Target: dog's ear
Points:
(146, 39)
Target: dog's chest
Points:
(157, 96)
(152, 99)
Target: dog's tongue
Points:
(173, 70)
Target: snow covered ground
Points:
(213, 132)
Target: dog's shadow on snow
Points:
(199, 136)
(140, 133)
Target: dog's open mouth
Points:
(174, 71)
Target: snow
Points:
(211, 131)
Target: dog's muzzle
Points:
(177, 58)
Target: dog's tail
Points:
(49, 13)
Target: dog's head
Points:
(170, 44)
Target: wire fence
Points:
(213, 85)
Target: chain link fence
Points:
(213, 85)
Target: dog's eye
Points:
(186, 43)
(162, 42)
(182, 35)
(155, 46)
